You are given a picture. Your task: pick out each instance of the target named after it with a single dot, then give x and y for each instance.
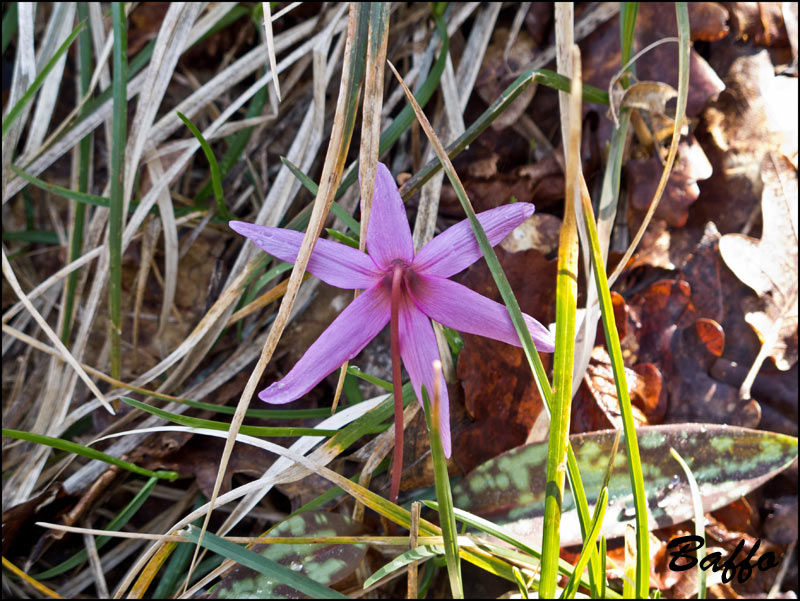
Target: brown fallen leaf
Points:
(600, 54)
(691, 166)
(501, 399)
(769, 267)
(755, 115)
(596, 406)
(666, 327)
(497, 72)
(761, 22)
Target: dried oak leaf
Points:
(755, 115)
(769, 265)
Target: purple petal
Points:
(388, 233)
(350, 332)
(462, 309)
(456, 248)
(335, 264)
(418, 350)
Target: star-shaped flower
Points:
(397, 282)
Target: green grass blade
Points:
(343, 238)
(356, 371)
(236, 142)
(178, 563)
(445, 497)
(10, 20)
(258, 413)
(521, 584)
(699, 521)
(84, 164)
(563, 358)
(310, 185)
(420, 553)
(40, 236)
(83, 451)
(116, 524)
(618, 368)
(603, 559)
(484, 525)
(29, 94)
(80, 197)
(117, 177)
(216, 177)
(559, 82)
(627, 17)
(262, 565)
(194, 422)
(588, 545)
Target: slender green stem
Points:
(563, 357)
(444, 494)
(631, 442)
(118, 135)
(84, 160)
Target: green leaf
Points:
(263, 565)
(216, 178)
(420, 553)
(194, 422)
(15, 111)
(77, 449)
(325, 564)
(727, 463)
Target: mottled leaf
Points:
(727, 462)
(325, 564)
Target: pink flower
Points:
(392, 275)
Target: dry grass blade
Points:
(22, 77)
(97, 569)
(65, 354)
(171, 40)
(271, 47)
(372, 107)
(58, 29)
(170, 228)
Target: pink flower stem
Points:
(397, 463)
